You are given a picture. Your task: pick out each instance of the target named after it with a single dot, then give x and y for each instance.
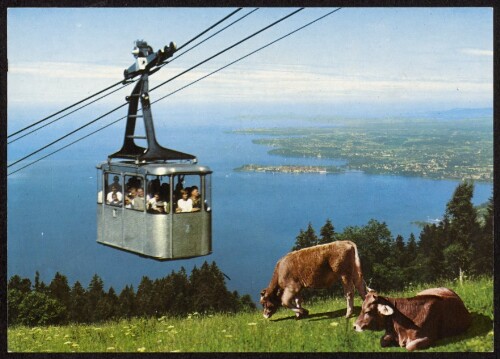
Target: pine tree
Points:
(327, 233)
(430, 262)
(59, 290)
(144, 298)
(127, 303)
(209, 292)
(411, 248)
(306, 239)
(107, 307)
(78, 304)
(95, 293)
(181, 293)
(463, 229)
(21, 284)
(483, 246)
(399, 251)
(37, 281)
(14, 300)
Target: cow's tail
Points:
(358, 280)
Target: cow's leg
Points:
(388, 340)
(291, 300)
(420, 343)
(298, 304)
(349, 294)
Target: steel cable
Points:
(75, 110)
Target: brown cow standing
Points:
(414, 323)
(314, 267)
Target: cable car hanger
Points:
(146, 62)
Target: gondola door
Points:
(111, 216)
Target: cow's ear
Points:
(263, 293)
(385, 309)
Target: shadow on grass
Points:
(481, 326)
(313, 317)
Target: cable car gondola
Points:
(137, 205)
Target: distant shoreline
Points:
(295, 169)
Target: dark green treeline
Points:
(177, 294)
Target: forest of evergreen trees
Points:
(177, 294)
(460, 245)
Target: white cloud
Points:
(65, 70)
(477, 52)
(287, 83)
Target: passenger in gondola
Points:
(114, 190)
(155, 205)
(134, 182)
(129, 198)
(184, 204)
(115, 201)
(139, 201)
(153, 187)
(178, 188)
(165, 192)
(116, 182)
(195, 198)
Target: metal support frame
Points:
(154, 152)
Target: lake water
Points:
(256, 216)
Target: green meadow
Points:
(325, 330)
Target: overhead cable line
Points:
(210, 28)
(67, 145)
(163, 83)
(208, 38)
(68, 134)
(227, 48)
(69, 113)
(64, 109)
(247, 55)
(110, 87)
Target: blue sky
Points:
(380, 59)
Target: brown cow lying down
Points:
(414, 323)
(314, 267)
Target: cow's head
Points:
(270, 302)
(373, 313)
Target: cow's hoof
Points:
(304, 313)
(387, 341)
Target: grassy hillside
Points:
(325, 330)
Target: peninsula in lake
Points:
(424, 147)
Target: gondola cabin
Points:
(138, 211)
(155, 202)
